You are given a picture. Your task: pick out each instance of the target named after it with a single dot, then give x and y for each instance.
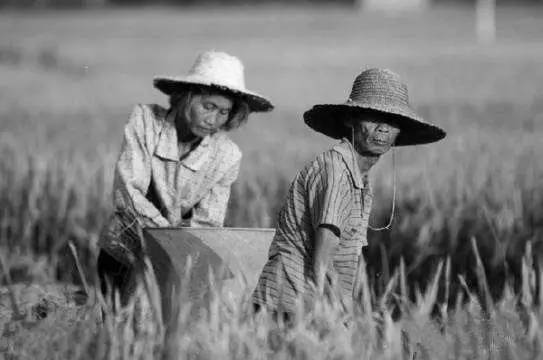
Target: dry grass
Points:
(69, 85)
(507, 329)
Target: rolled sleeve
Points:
(133, 172)
(329, 196)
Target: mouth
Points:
(380, 142)
(204, 130)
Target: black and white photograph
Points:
(271, 179)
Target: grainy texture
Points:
(190, 191)
(68, 85)
(332, 191)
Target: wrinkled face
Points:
(373, 134)
(206, 114)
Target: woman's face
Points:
(372, 135)
(206, 114)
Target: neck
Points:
(366, 161)
(186, 137)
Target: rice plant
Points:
(457, 277)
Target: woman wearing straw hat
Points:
(322, 226)
(176, 165)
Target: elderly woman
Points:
(176, 165)
(323, 224)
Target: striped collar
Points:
(347, 151)
(167, 146)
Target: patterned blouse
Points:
(156, 186)
(328, 191)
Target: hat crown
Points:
(218, 71)
(379, 86)
(378, 90)
(218, 68)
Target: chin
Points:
(379, 150)
(198, 134)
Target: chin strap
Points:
(391, 218)
(392, 211)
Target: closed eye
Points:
(209, 106)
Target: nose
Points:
(383, 128)
(211, 120)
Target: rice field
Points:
(469, 219)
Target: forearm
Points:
(211, 209)
(325, 244)
(131, 200)
(157, 221)
(133, 170)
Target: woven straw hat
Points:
(378, 90)
(215, 70)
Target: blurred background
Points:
(73, 69)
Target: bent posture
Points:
(176, 165)
(323, 223)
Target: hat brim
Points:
(169, 86)
(328, 120)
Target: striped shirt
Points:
(160, 186)
(328, 191)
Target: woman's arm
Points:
(211, 210)
(329, 204)
(325, 245)
(133, 172)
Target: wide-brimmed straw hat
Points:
(216, 70)
(377, 90)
